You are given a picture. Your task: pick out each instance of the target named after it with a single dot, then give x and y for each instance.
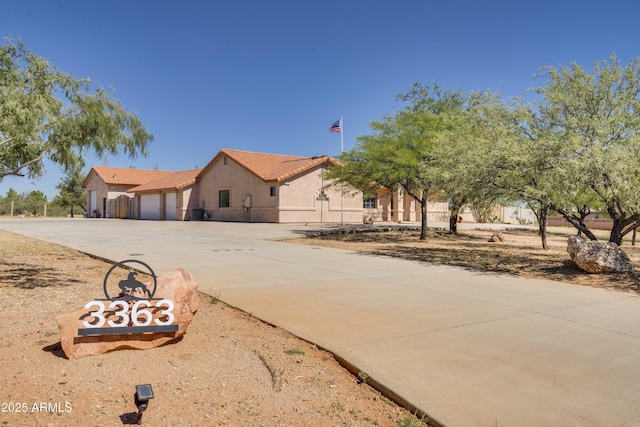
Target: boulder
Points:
(496, 238)
(177, 286)
(598, 257)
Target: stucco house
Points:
(105, 184)
(172, 197)
(261, 187)
(235, 185)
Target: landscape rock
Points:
(177, 286)
(598, 257)
(497, 238)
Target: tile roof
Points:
(271, 167)
(175, 181)
(125, 176)
(291, 168)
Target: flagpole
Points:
(341, 185)
(341, 135)
(339, 128)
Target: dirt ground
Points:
(519, 254)
(229, 369)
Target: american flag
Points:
(336, 127)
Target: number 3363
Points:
(140, 314)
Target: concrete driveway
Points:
(468, 348)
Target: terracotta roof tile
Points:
(175, 181)
(271, 167)
(261, 164)
(125, 176)
(292, 168)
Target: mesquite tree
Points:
(399, 154)
(596, 129)
(48, 113)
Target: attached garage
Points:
(150, 206)
(169, 198)
(170, 206)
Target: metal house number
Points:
(131, 308)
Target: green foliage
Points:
(362, 376)
(12, 195)
(576, 148)
(25, 204)
(461, 156)
(71, 194)
(47, 113)
(413, 421)
(399, 154)
(29, 204)
(597, 116)
(483, 211)
(573, 149)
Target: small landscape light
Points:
(144, 392)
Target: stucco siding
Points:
(252, 199)
(186, 200)
(94, 183)
(303, 200)
(241, 184)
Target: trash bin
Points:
(196, 214)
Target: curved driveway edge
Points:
(468, 348)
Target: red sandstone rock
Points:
(177, 286)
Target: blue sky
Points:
(272, 76)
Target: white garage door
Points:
(170, 207)
(150, 206)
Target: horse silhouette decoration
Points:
(130, 287)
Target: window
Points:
(369, 203)
(272, 191)
(223, 199)
(225, 160)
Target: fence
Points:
(121, 207)
(591, 223)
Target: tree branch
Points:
(631, 227)
(575, 221)
(412, 194)
(43, 152)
